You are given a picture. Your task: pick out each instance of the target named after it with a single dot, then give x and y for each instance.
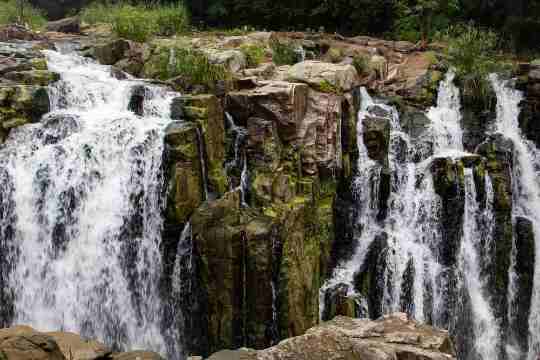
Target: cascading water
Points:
(240, 157)
(81, 204)
(416, 278)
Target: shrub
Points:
(254, 54)
(361, 64)
(139, 22)
(192, 66)
(21, 12)
(283, 53)
(472, 55)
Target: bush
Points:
(472, 53)
(21, 12)
(254, 54)
(192, 66)
(283, 53)
(139, 22)
(361, 64)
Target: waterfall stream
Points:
(83, 190)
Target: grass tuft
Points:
(21, 12)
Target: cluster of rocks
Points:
(23, 343)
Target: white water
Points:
(526, 189)
(240, 156)
(485, 327)
(88, 200)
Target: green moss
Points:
(254, 54)
(327, 87)
(283, 52)
(39, 63)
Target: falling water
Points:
(485, 327)
(240, 156)
(526, 192)
(84, 189)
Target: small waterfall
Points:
(240, 157)
(485, 327)
(202, 159)
(84, 195)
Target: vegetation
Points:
(21, 12)
(472, 54)
(361, 64)
(254, 54)
(139, 22)
(192, 66)
(283, 53)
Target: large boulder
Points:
(111, 52)
(234, 60)
(23, 342)
(32, 77)
(74, 347)
(391, 337)
(321, 75)
(71, 25)
(17, 32)
(21, 104)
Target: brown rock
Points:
(23, 343)
(74, 347)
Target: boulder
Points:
(17, 32)
(22, 104)
(339, 300)
(74, 347)
(376, 134)
(70, 25)
(317, 74)
(137, 355)
(234, 60)
(111, 52)
(23, 342)
(391, 337)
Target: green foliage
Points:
(254, 54)
(327, 87)
(472, 55)
(21, 12)
(192, 66)
(335, 55)
(361, 64)
(283, 53)
(171, 19)
(139, 22)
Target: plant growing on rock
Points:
(283, 53)
(472, 55)
(361, 64)
(191, 67)
(254, 54)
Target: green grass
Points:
(21, 12)
(361, 64)
(254, 54)
(139, 22)
(192, 66)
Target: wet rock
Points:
(338, 300)
(136, 355)
(21, 104)
(529, 116)
(391, 337)
(370, 279)
(58, 127)
(342, 78)
(33, 77)
(136, 100)
(112, 52)
(524, 270)
(376, 136)
(499, 152)
(70, 25)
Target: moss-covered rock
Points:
(185, 172)
(206, 111)
(21, 104)
(33, 77)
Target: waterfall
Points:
(526, 189)
(81, 202)
(485, 327)
(239, 160)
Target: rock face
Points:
(318, 74)
(391, 337)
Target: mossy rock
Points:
(33, 77)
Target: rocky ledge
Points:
(24, 343)
(390, 337)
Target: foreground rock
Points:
(23, 343)
(391, 337)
